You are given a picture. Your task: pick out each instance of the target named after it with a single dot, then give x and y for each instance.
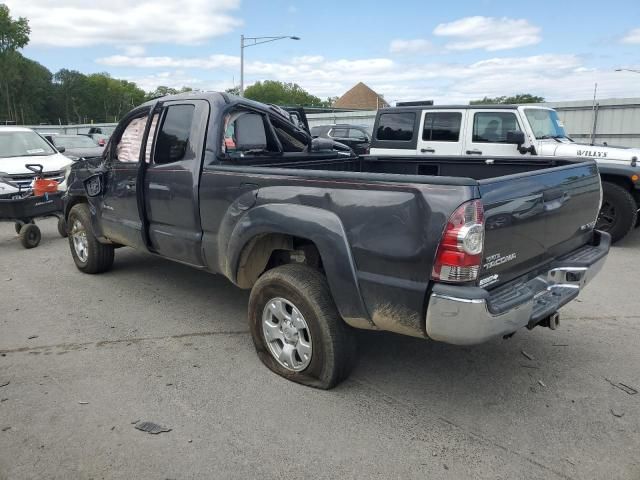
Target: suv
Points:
(354, 136)
(20, 146)
(511, 130)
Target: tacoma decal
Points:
(497, 259)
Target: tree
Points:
(14, 34)
(233, 90)
(161, 91)
(519, 98)
(280, 93)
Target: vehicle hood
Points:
(566, 148)
(84, 152)
(50, 163)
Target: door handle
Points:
(474, 152)
(427, 150)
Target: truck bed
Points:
(536, 208)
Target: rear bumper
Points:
(471, 315)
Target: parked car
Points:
(354, 136)
(508, 130)
(98, 134)
(328, 241)
(20, 146)
(76, 146)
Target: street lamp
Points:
(627, 70)
(246, 42)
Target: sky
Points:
(450, 52)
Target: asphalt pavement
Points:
(85, 359)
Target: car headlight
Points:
(7, 187)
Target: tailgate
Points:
(534, 217)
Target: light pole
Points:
(246, 42)
(627, 70)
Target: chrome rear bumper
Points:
(471, 315)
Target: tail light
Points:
(459, 255)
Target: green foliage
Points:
(516, 99)
(280, 93)
(161, 91)
(14, 34)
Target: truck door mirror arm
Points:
(517, 137)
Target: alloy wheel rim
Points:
(287, 334)
(80, 242)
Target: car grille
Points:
(24, 180)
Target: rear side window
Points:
(356, 134)
(172, 143)
(396, 126)
(339, 133)
(442, 126)
(492, 127)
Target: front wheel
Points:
(296, 327)
(89, 255)
(619, 211)
(62, 227)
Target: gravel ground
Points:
(88, 356)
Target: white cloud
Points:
(76, 23)
(633, 36)
(418, 45)
(556, 77)
(488, 33)
(133, 50)
(211, 62)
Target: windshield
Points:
(545, 123)
(75, 141)
(23, 144)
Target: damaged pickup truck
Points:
(455, 250)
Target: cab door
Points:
(441, 132)
(119, 211)
(172, 181)
(487, 133)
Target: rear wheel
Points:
(30, 235)
(18, 225)
(619, 211)
(296, 327)
(89, 255)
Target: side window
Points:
(396, 126)
(172, 141)
(356, 134)
(442, 126)
(492, 127)
(128, 148)
(292, 140)
(338, 133)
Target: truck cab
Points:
(511, 130)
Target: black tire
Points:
(99, 256)
(619, 211)
(333, 342)
(18, 225)
(30, 235)
(62, 227)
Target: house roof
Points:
(361, 97)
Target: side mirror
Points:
(61, 149)
(93, 185)
(515, 138)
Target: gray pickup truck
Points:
(446, 248)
